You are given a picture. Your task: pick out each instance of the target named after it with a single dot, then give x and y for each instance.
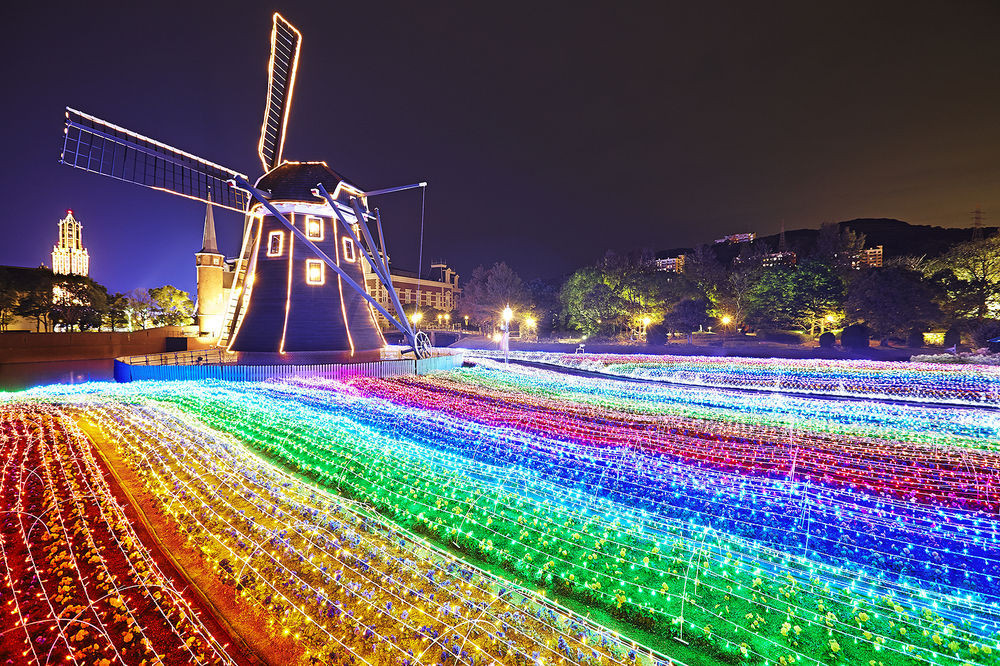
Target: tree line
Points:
(826, 288)
(75, 303)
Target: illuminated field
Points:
(927, 382)
(514, 515)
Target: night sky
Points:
(548, 132)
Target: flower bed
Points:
(77, 583)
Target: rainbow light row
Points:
(759, 528)
(929, 382)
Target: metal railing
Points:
(215, 356)
(234, 372)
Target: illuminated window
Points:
(314, 228)
(315, 271)
(275, 243)
(348, 249)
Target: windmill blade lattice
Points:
(97, 146)
(285, 43)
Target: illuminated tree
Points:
(589, 304)
(171, 306)
(116, 315)
(969, 275)
(78, 302)
(798, 297)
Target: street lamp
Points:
(726, 320)
(646, 321)
(508, 314)
(416, 317)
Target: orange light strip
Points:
(247, 283)
(288, 286)
(340, 286)
(289, 88)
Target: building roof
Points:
(294, 181)
(208, 242)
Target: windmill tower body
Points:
(318, 313)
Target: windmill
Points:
(299, 287)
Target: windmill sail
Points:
(97, 146)
(285, 43)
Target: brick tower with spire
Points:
(210, 264)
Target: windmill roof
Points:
(294, 181)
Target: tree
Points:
(890, 301)
(171, 306)
(589, 304)
(34, 300)
(798, 297)
(8, 300)
(78, 302)
(703, 269)
(770, 300)
(732, 296)
(116, 315)
(969, 275)
(545, 305)
(839, 248)
(489, 291)
(816, 291)
(688, 316)
(139, 309)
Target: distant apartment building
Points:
(786, 258)
(872, 257)
(868, 258)
(733, 239)
(671, 264)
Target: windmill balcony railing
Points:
(192, 357)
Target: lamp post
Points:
(529, 323)
(726, 320)
(646, 321)
(826, 322)
(508, 314)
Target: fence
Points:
(194, 357)
(231, 372)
